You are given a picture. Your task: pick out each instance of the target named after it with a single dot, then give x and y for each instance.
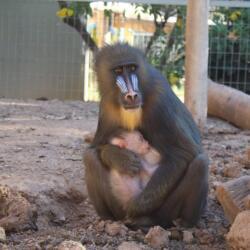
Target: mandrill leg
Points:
(98, 185)
(197, 186)
(188, 200)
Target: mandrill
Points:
(135, 96)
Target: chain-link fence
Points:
(46, 48)
(229, 47)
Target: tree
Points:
(75, 14)
(164, 51)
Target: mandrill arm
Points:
(123, 160)
(164, 180)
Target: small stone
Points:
(157, 237)
(239, 234)
(4, 193)
(129, 245)
(56, 215)
(100, 226)
(231, 171)
(113, 229)
(175, 235)
(2, 235)
(70, 245)
(124, 230)
(215, 184)
(213, 169)
(204, 237)
(188, 236)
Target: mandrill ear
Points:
(118, 142)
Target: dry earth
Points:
(41, 148)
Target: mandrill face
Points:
(118, 68)
(127, 81)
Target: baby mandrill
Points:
(126, 187)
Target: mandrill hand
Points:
(123, 160)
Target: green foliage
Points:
(160, 12)
(167, 50)
(81, 8)
(229, 44)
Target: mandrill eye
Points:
(132, 68)
(118, 70)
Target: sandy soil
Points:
(41, 148)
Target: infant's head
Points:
(133, 141)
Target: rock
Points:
(16, 213)
(231, 171)
(231, 195)
(239, 234)
(70, 245)
(188, 236)
(175, 235)
(114, 228)
(2, 235)
(100, 226)
(244, 159)
(129, 245)
(56, 215)
(4, 247)
(157, 237)
(204, 236)
(213, 169)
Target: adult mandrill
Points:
(135, 96)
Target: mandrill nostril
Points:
(130, 97)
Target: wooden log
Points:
(232, 196)
(229, 104)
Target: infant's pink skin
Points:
(127, 187)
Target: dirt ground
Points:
(41, 148)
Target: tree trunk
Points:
(75, 23)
